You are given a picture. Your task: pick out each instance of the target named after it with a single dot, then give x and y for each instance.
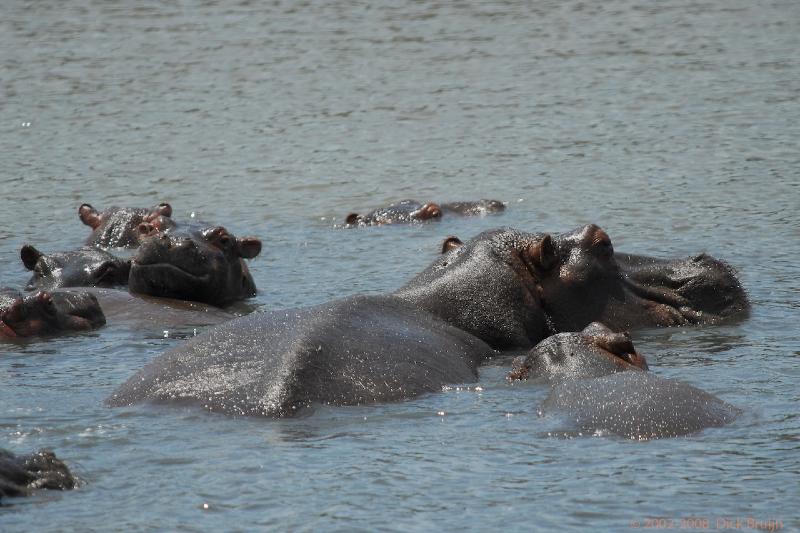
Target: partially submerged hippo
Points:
(21, 474)
(582, 280)
(85, 267)
(595, 351)
(434, 331)
(401, 212)
(600, 385)
(195, 262)
(118, 227)
(407, 211)
(46, 313)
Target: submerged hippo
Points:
(401, 212)
(601, 385)
(46, 313)
(21, 474)
(595, 351)
(85, 267)
(407, 211)
(582, 280)
(195, 262)
(434, 331)
(118, 227)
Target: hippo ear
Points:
(351, 219)
(89, 216)
(249, 247)
(163, 209)
(451, 243)
(543, 254)
(29, 256)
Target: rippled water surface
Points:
(674, 125)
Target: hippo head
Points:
(199, 263)
(480, 207)
(118, 227)
(404, 211)
(85, 267)
(595, 351)
(585, 281)
(488, 286)
(47, 313)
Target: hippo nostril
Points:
(145, 228)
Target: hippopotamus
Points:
(601, 384)
(86, 267)
(433, 331)
(595, 351)
(21, 474)
(46, 313)
(196, 262)
(481, 207)
(118, 227)
(407, 211)
(582, 280)
(150, 314)
(404, 211)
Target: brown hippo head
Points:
(595, 351)
(405, 211)
(46, 313)
(85, 267)
(199, 263)
(118, 227)
(583, 280)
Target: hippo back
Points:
(358, 350)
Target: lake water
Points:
(673, 125)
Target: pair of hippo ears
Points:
(92, 218)
(542, 253)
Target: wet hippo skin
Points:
(85, 267)
(434, 331)
(118, 227)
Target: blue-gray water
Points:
(674, 125)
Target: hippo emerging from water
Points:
(582, 280)
(21, 474)
(85, 267)
(119, 227)
(483, 296)
(601, 385)
(195, 262)
(407, 211)
(434, 331)
(46, 313)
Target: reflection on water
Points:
(673, 126)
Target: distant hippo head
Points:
(405, 211)
(199, 263)
(19, 474)
(47, 313)
(118, 227)
(586, 281)
(481, 207)
(85, 267)
(488, 287)
(595, 351)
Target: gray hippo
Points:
(86, 267)
(119, 227)
(582, 280)
(21, 474)
(46, 313)
(194, 262)
(600, 385)
(363, 349)
(407, 211)
(480, 297)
